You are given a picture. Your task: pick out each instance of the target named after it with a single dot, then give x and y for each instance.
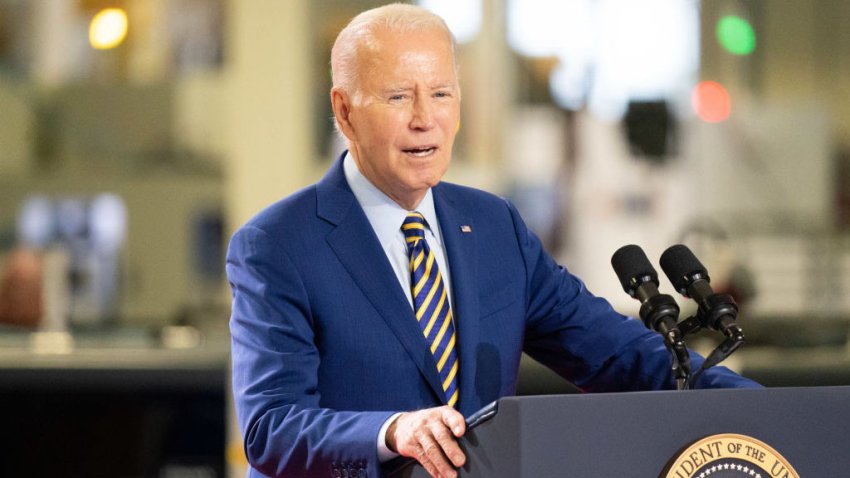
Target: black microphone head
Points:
(682, 267)
(633, 268)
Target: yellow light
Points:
(108, 28)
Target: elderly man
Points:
(376, 308)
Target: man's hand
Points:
(429, 436)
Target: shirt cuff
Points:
(384, 453)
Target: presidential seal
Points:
(729, 456)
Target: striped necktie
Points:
(431, 304)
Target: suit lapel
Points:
(354, 242)
(458, 232)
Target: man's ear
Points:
(341, 104)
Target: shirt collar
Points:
(385, 215)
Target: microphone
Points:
(659, 312)
(690, 278)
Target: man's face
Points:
(403, 127)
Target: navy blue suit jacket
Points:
(326, 347)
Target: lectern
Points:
(779, 432)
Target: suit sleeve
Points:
(286, 432)
(582, 338)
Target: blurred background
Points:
(137, 135)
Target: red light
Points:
(711, 101)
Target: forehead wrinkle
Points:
(421, 70)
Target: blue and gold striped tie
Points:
(431, 304)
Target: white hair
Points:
(360, 33)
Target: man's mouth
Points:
(420, 152)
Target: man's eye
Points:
(442, 94)
(396, 97)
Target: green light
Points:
(736, 35)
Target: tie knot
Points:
(413, 226)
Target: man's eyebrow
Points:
(397, 89)
(402, 89)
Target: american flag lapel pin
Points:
(465, 228)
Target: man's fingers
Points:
(431, 454)
(447, 443)
(422, 458)
(454, 420)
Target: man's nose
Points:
(422, 117)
